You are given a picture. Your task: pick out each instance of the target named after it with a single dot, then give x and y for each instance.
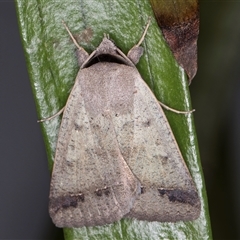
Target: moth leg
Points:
(82, 55)
(136, 51)
(53, 116)
(174, 110)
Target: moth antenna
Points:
(73, 39)
(144, 33)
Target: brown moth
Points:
(116, 155)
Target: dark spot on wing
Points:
(66, 201)
(143, 189)
(147, 123)
(164, 159)
(178, 195)
(77, 127)
(96, 126)
(106, 191)
(100, 192)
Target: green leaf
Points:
(52, 67)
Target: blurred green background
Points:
(215, 95)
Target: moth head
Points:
(106, 46)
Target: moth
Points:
(116, 156)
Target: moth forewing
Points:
(169, 193)
(91, 182)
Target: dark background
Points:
(24, 175)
